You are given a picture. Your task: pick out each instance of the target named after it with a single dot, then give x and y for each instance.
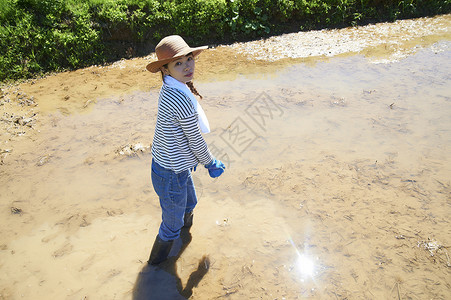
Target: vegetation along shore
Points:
(37, 37)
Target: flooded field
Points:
(338, 181)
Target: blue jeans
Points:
(177, 197)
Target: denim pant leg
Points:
(172, 189)
(191, 200)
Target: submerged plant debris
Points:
(133, 149)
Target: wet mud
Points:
(337, 183)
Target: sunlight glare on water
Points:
(304, 263)
(305, 266)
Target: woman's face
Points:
(182, 68)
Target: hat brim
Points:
(156, 65)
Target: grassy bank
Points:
(39, 36)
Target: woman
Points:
(178, 146)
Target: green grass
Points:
(40, 36)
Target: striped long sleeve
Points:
(178, 143)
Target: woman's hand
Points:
(215, 168)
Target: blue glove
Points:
(215, 168)
(193, 169)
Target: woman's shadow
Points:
(162, 282)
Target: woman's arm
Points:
(196, 141)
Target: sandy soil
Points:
(345, 195)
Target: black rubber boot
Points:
(160, 251)
(188, 220)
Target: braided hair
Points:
(193, 89)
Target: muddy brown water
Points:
(337, 187)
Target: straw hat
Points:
(169, 49)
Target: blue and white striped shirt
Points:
(178, 143)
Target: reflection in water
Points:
(162, 281)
